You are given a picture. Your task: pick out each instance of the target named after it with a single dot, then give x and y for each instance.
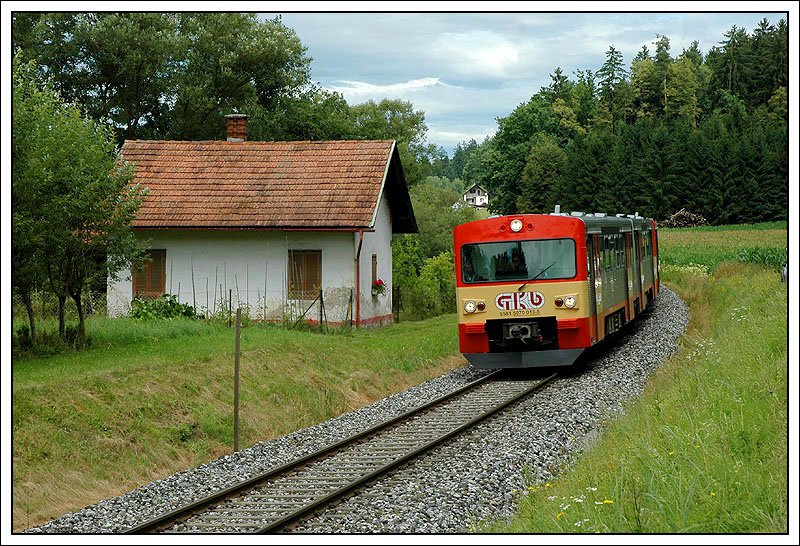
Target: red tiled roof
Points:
(218, 184)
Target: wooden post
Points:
(236, 381)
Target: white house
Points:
(268, 226)
(476, 196)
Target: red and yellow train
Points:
(539, 289)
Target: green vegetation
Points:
(71, 200)
(150, 398)
(705, 132)
(765, 244)
(165, 306)
(704, 450)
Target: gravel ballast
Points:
(474, 477)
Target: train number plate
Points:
(520, 313)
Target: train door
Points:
(656, 264)
(597, 276)
(638, 275)
(626, 248)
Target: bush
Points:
(433, 292)
(22, 341)
(164, 306)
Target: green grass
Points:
(150, 398)
(704, 450)
(765, 244)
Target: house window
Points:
(305, 274)
(374, 268)
(149, 278)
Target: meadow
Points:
(703, 450)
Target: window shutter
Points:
(305, 274)
(140, 280)
(158, 276)
(149, 279)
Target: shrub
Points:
(164, 306)
(23, 341)
(433, 292)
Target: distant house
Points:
(268, 225)
(476, 196)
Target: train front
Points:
(522, 291)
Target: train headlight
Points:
(470, 306)
(516, 225)
(570, 301)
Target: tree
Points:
(560, 87)
(395, 119)
(71, 194)
(311, 114)
(233, 61)
(167, 75)
(584, 98)
(118, 66)
(461, 155)
(682, 90)
(436, 217)
(541, 178)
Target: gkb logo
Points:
(511, 301)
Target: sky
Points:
(464, 70)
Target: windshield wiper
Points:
(539, 274)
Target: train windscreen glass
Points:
(518, 260)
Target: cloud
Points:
(357, 91)
(477, 53)
(464, 70)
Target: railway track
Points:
(279, 498)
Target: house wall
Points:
(377, 309)
(202, 266)
(249, 265)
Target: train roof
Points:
(598, 222)
(595, 222)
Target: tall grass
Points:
(704, 450)
(765, 244)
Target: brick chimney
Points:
(237, 127)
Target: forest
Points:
(707, 132)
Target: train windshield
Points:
(518, 260)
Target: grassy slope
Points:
(150, 399)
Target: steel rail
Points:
(349, 488)
(172, 517)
